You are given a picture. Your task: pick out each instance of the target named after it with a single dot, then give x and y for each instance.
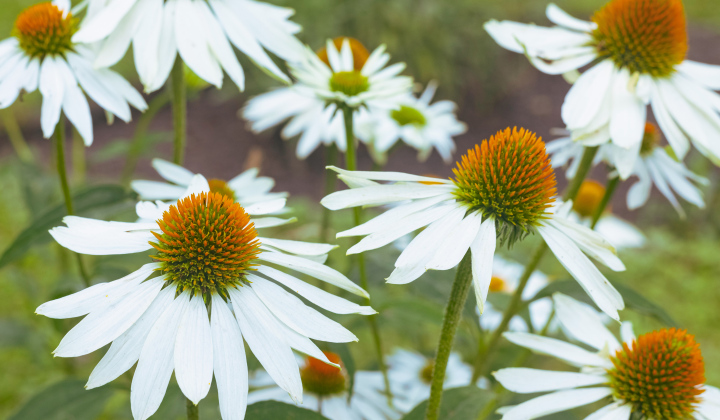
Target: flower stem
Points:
(331, 153)
(192, 410)
(453, 312)
(16, 137)
(483, 358)
(140, 136)
(65, 186)
(178, 95)
(351, 165)
(609, 191)
(79, 158)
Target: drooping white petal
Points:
(555, 403)
(103, 23)
(229, 363)
(382, 194)
(167, 50)
(559, 17)
(570, 353)
(52, 88)
(76, 108)
(483, 250)
(456, 243)
(589, 242)
(584, 323)
(389, 176)
(113, 48)
(192, 43)
(219, 45)
(627, 121)
(586, 96)
(193, 352)
(528, 381)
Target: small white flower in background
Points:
(503, 190)
(657, 166)
(637, 51)
(339, 81)
(410, 376)
(309, 116)
(208, 255)
(659, 375)
(417, 123)
(247, 188)
(326, 391)
(505, 277)
(41, 55)
(202, 32)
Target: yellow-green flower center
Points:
(207, 243)
(351, 83)
(407, 115)
(44, 30)
(588, 198)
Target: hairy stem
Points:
(178, 95)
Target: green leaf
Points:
(633, 299)
(457, 404)
(90, 199)
(265, 410)
(65, 400)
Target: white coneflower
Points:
(637, 51)
(503, 190)
(339, 81)
(309, 116)
(211, 286)
(326, 391)
(42, 55)
(202, 32)
(659, 375)
(411, 374)
(419, 124)
(247, 188)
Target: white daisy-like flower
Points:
(637, 51)
(657, 166)
(658, 376)
(326, 391)
(505, 277)
(247, 188)
(503, 190)
(419, 124)
(209, 262)
(202, 32)
(410, 376)
(339, 81)
(41, 55)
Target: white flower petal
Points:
(456, 243)
(528, 381)
(555, 403)
(219, 45)
(615, 411)
(586, 96)
(76, 108)
(483, 250)
(192, 43)
(706, 74)
(559, 17)
(389, 176)
(172, 172)
(167, 50)
(52, 88)
(589, 241)
(298, 247)
(229, 363)
(114, 47)
(193, 353)
(570, 353)
(153, 190)
(266, 207)
(584, 323)
(114, 241)
(629, 113)
(382, 194)
(103, 23)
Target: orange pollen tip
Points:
(430, 182)
(321, 378)
(644, 36)
(588, 198)
(497, 284)
(44, 29)
(208, 243)
(508, 177)
(359, 52)
(660, 374)
(651, 139)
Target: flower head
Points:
(322, 379)
(588, 198)
(44, 29)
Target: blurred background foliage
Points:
(678, 270)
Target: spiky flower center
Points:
(322, 379)
(644, 36)
(659, 374)
(44, 29)
(351, 83)
(407, 115)
(426, 373)
(221, 187)
(498, 284)
(588, 198)
(359, 52)
(651, 139)
(207, 243)
(509, 178)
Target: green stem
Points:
(483, 358)
(351, 165)
(192, 410)
(140, 136)
(178, 95)
(453, 312)
(78, 157)
(331, 153)
(609, 191)
(16, 136)
(65, 186)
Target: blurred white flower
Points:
(202, 32)
(637, 55)
(208, 256)
(626, 375)
(503, 189)
(41, 55)
(410, 376)
(247, 189)
(326, 391)
(416, 122)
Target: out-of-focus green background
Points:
(679, 269)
